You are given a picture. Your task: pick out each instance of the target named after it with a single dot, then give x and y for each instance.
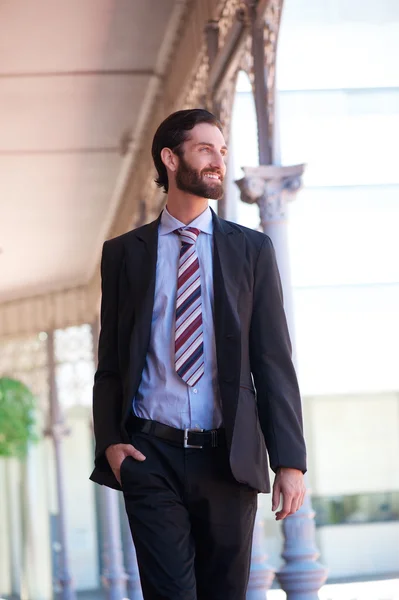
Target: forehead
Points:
(207, 133)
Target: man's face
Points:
(202, 165)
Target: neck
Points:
(185, 207)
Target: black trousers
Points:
(191, 522)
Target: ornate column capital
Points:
(271, 187)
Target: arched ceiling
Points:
(75, 78)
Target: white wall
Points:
(355, 444)
(366, 550)
(347, 339)
(334, 44)
(338, 106)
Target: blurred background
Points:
(309, 88)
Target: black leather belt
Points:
(188, 438)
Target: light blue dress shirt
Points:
(162, 395)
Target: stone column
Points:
(114, 576)
(133, 579)
(57, 430)
(302, 576)
(12, 519)
(262, 574)
(272, 187)
(37, 572)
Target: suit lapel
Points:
(141, 262)
(228, 263)
(227, 266)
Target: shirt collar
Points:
(169, 224)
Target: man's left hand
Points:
(290, 484)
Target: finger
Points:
(302, 495)
(301, 498)
(117, 474)
(276, 496)
(287, 502)
(296, 505)
(136, 454)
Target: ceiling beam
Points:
(49, 151)
(95, 73)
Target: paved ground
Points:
(91, 596)
(366, 590)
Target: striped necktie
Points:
(189, 348)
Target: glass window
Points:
(357, 508)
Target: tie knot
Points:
(188, 235)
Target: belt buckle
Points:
(185, 443)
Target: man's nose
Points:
(218, 163)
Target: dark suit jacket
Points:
(259, 392)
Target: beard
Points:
(195, 182)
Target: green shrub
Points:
(17, 418)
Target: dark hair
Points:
(172, 133)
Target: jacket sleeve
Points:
(278, 397)
(107, 390)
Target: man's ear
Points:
(169, 159)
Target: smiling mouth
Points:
(213, 176)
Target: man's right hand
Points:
(117, 453)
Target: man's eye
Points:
(206, 149)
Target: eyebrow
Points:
(211, 145)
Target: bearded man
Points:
(195, 388)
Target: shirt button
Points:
(195, 390)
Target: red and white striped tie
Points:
(189, 346)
